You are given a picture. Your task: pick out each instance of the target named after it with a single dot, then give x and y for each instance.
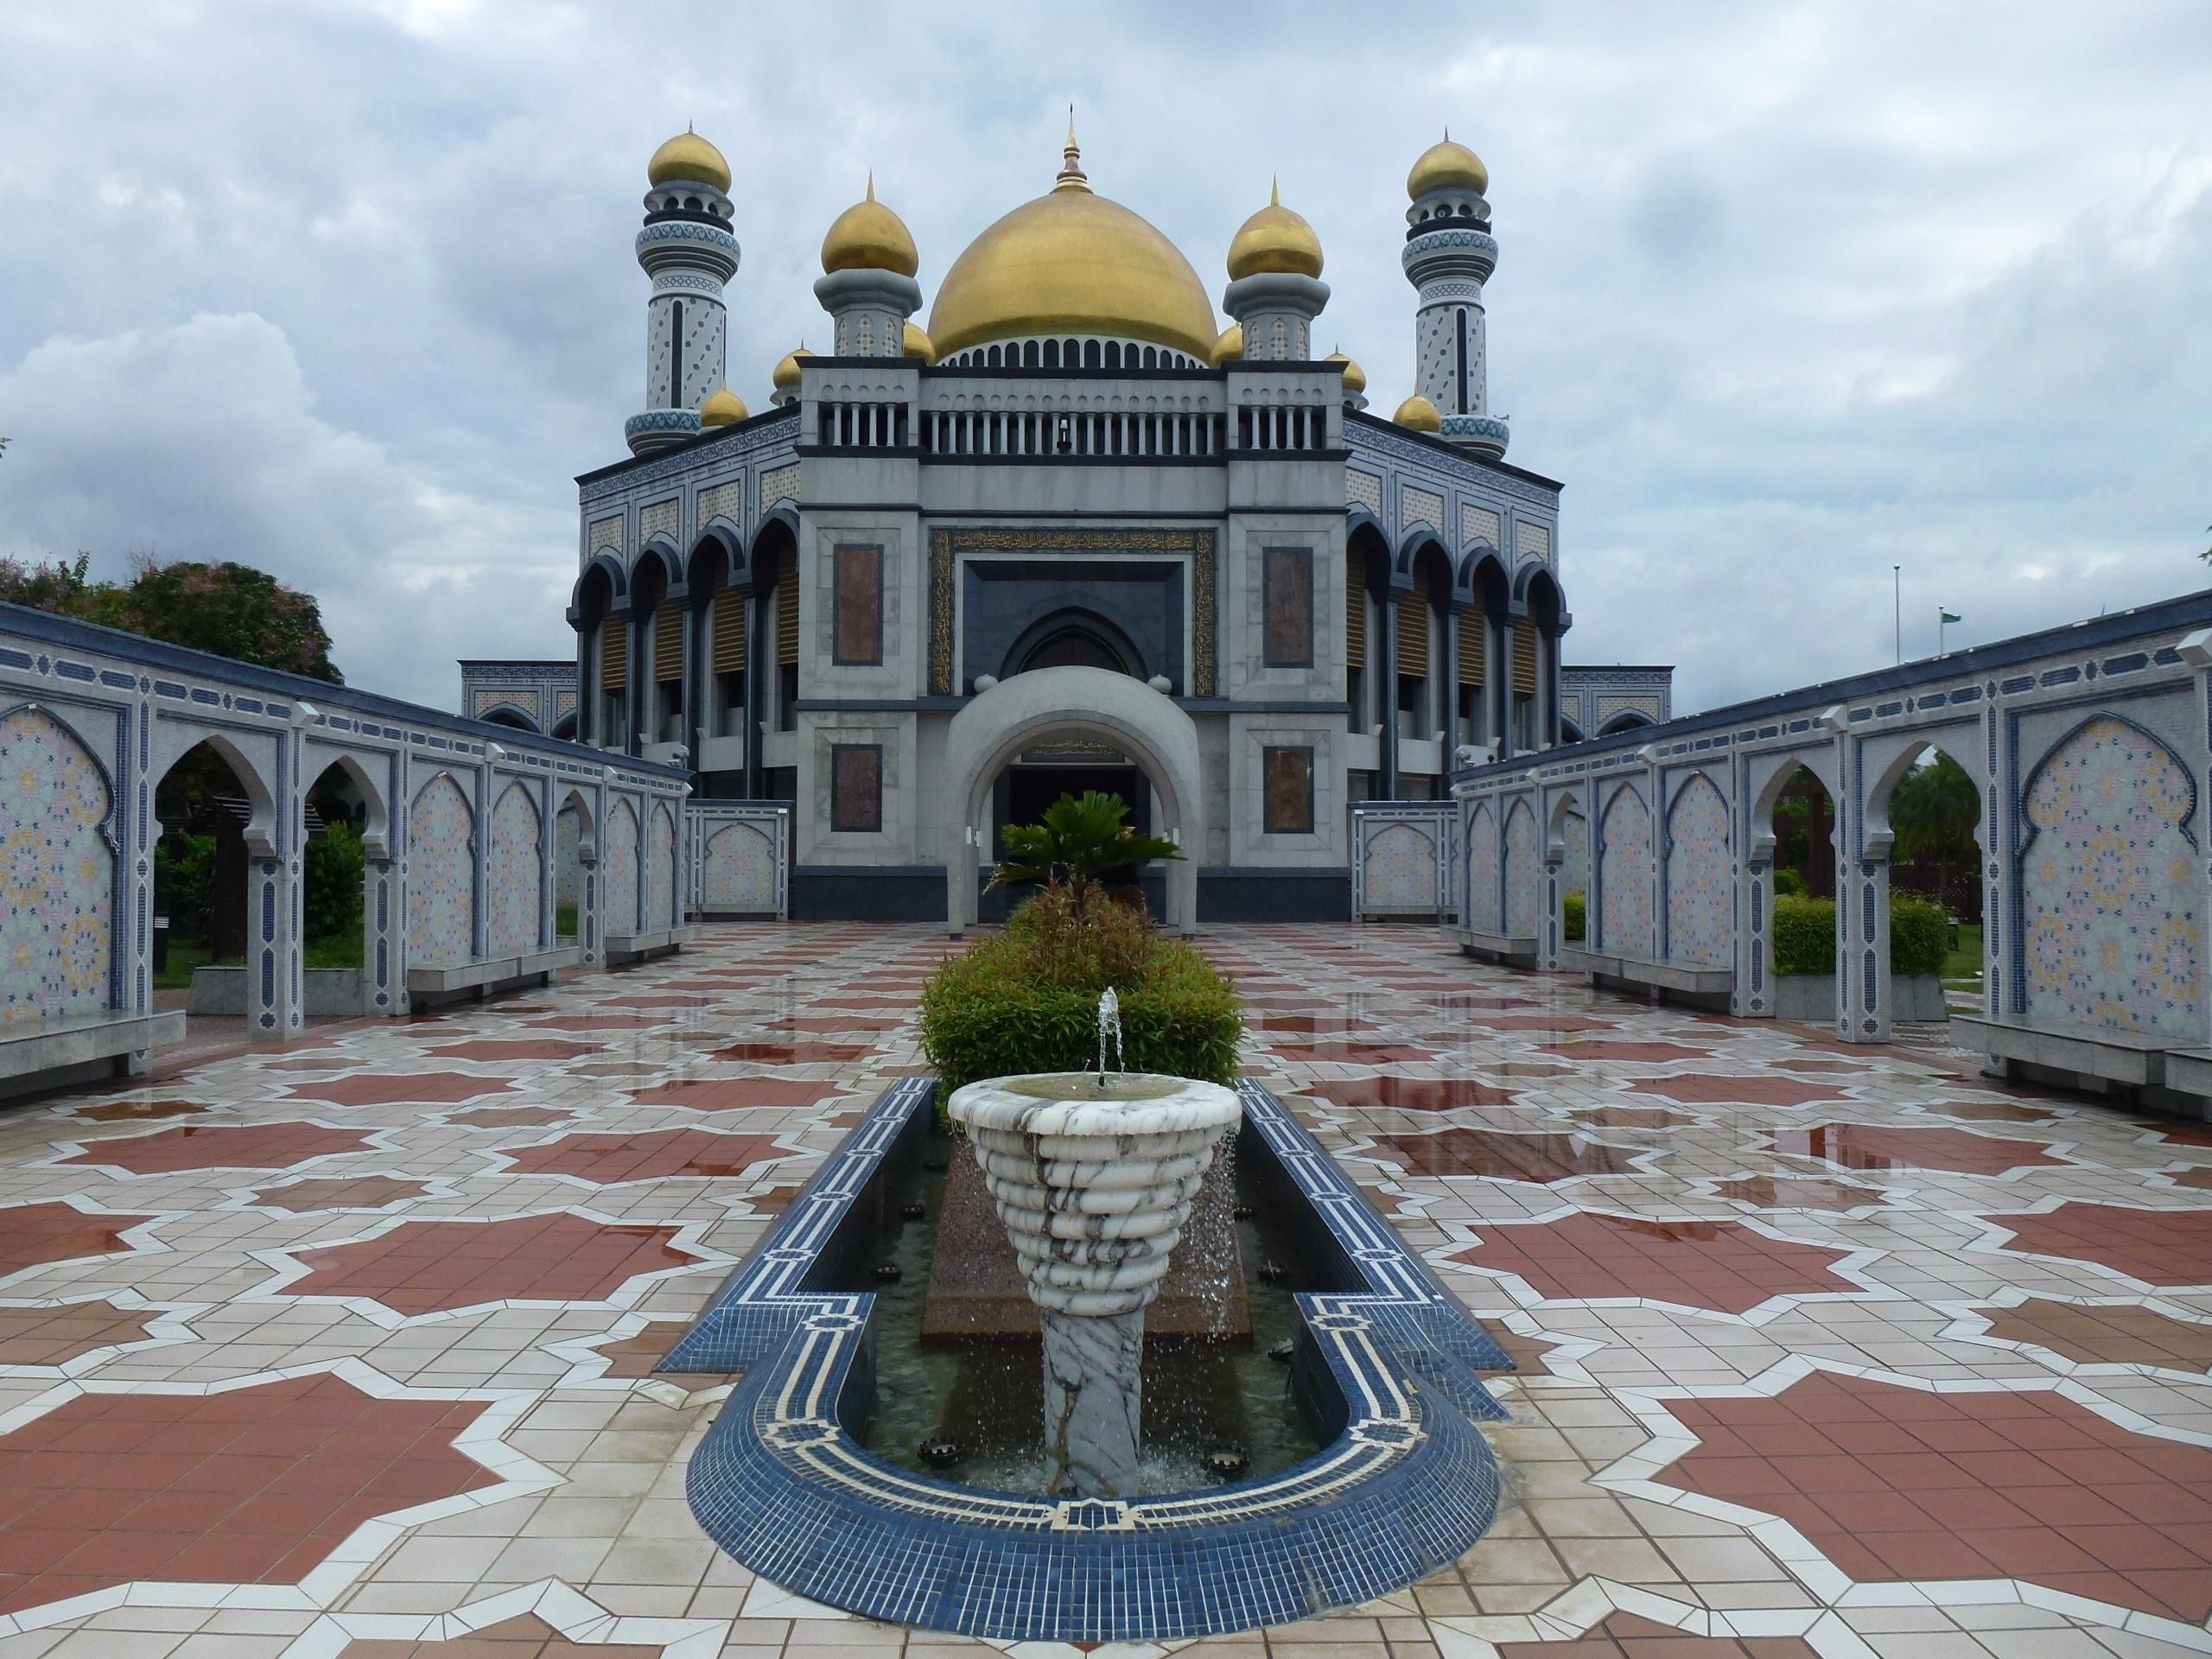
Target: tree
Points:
(232, 610)
(1933, 812)
(1081, 843)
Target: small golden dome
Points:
(1446, 166)
(1072, 262)
(786, 375)
(868, 236)
(687, 156)
(1274, 239)
(1228, 346)
(725, 408)
(1355, 377)
(1417, 414)
(916, 343)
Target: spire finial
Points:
(1274, 190)
(1070, 176)
(871, 184)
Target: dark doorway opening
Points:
(1024, 790)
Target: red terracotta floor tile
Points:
(2160, 1246)
(608, 1160)
(2107, 1334)
(1409, 1094)
(32, 1234)
(2130, 1521)
(1874, 1146)
(1770, 1193)
(1608, 1049)
(514, 1048)
(524, 1636)
(187, 1493)
(137, 1111)
(1695, 1088)
(1502, 1156)
(1721, 1265)
(423, 1267)
(803, 1053)
(255, 1146)
(339, 1192)
(1626, 1635)
(508, 1117)
(732, 1094)
(56, 1334)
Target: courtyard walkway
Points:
(343, 1350)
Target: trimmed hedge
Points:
(1804, 935)
(1027, 1000)
(1576, 914)
(1789, 882)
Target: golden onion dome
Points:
(916, 343)
(1355, 377)
(1228, 346)
(1446, 166)
(687, 156)
(1417, 414)
(786, 375)
(868, 236)
(724, 408)
(1072, 262)
(1274, 239)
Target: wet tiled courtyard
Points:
(345, 1350)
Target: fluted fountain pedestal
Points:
(1093, 1176)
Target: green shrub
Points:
(1575, 907)
(184, 883)
(1787, 883)
(334, 884)
(1920, 936)
(1804, 935)
(1027, 1000)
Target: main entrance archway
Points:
(1054, 705)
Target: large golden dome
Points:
(687, 156)
(1072, 262)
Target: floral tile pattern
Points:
(1624, 835)
(618, 868)
(515, 882)
(57, 873)
(441, 874)
(1524, 859)
(2108, 941)
(1484, 894)
(1701, 884)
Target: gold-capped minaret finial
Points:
(871, 184)
(1072, 176)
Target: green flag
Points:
(1949, 616)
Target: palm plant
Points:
(1081, 842)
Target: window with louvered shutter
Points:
(729, 633)
(1354, 608)
(1524, 660)
(668, 643)
(1413, 629)
(787, 612)
(614, 653)
(1472, 642)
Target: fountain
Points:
(1093, 1174)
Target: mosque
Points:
(1070, 531)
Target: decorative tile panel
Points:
(1480, 524)
(1531, 541)
(604, 533)
(658, 519)
(1419, 507)
(441, 875)
(517, 884)
(1700, 892)
(723, 501)
(1363, 490)
(1482, 907)
(57, 874)
(1625, 875)
(778, 484)
(618, 864)
(1524, 871)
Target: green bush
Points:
(1576, 908)
(333, 883)
(1804, 935)
(184, 883)
(1027, 1000)
(1920, 936)
(1787, 883)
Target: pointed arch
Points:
(2111, 923)
(618, 863)
(1484, 906)
(1524, 872)
(441, 874)
(516, 872)
(1700, 882)
(657, 905)
(1624, 874)
(57, 872)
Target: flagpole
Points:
(1897, 609)
(1942, 617)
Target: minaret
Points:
(687, 249)
(1449, 254)
(1275, 290)
(867, 283)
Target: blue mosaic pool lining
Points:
(1408, 1486)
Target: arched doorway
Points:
(1048, 710)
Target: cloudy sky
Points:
(1790, 294)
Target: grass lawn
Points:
(341, 950)
(1963, 967)
(565, 922)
